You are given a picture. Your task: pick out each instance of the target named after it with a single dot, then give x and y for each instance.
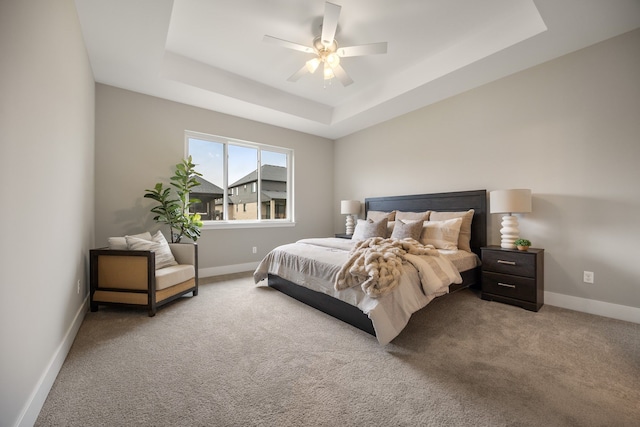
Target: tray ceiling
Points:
(210, 53)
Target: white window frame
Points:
(257, 223)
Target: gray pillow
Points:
(409, 229)
(366, 228)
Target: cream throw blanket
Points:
(375, 265)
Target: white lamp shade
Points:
(350, 207)
(510, 201)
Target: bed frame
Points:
(443, 202)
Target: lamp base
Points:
(509, 232)
(350, 225)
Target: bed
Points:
(386, 316)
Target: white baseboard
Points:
(33, 406)
(600, 308)
(227, 269)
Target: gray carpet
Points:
(240, 355)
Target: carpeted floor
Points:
(241, 355)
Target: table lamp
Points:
(510, 202)
(350, 208)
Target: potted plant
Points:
(174, 211)
(522, 244)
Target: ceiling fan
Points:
(326, 49)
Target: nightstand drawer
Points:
(521, 288)
(519, 264)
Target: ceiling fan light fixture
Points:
(321, 47)
(326, 49)
(332, 59)
(328, 72)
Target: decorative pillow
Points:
(464, 238)
(409, 229)
(441, 234)
(378, 215)
(158, 244)
(121, 242)
(390, 226)
(365, 228)
(412, 216)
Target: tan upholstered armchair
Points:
(130, 278)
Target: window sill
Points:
(213, 225)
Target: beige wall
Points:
(568, 129)
(140, 138)
(46, 170)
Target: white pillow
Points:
(159, 245)
(464, 239)
(441, 234)
(121, 242)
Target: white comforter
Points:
(315, 263)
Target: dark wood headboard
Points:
(443, 202)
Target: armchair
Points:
(130, 278)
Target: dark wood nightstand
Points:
(513, 277)
(344, 236)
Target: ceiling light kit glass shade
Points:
(509, 202)
(350, 208)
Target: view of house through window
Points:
(240, 180)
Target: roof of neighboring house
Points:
(247, 198)
(266, 197)
(206, 187)
(273, 195)
(268, 173)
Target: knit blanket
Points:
(375, 264)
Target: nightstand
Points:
(344, 236)
(513, 277)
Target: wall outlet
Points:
(587, 277)
(254, 250)
(78, 288)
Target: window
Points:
(238, 172)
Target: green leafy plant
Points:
(173, 210)
(522, 242)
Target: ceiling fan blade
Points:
(301, 72)
(288, 44)
(364, 49)
(341, 75)
(330, 23)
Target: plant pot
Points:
(522, 248)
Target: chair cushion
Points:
(170, 276)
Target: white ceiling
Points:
(210, 53)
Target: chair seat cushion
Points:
(170, 276)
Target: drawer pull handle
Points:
(501, 261)
(506, 285)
